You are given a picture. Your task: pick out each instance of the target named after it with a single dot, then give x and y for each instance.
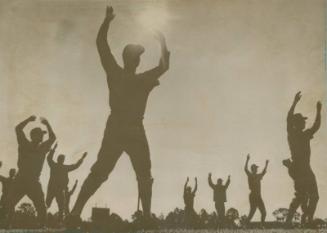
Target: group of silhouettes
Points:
(125, 132)
(299, 169)
(31, 156)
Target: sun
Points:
(154, 17)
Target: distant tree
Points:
(231, 216)
(281, 214)
(25, 216)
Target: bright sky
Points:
(235, 67)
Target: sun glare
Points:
(154, 17)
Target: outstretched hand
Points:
(32, 118)
(248, 157)
(0, 163)
(160, 37)
(267, 161)
(110, 13)
(210, 174)
(43, 120)
(54, 147)
(319, 105)
(84, 155)
(297, 97)
(187, 179)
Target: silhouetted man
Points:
(299, 142)
(31, 155)
(124, 131)
(58, 182)
(68, 195)
(6, 184)
(188, 197)
(219, 196)
(254, 180)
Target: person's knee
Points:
(97, 176)
(144, 183)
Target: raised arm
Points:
(107, 59)
(227, 182)
(21, 138)
(73, 189)
(210, 181)
(163, 65)
(316, 124)
(265, 169)
(291, 111)
(196, 186)
(186, 183)
(50, 160)
(246, 167)
(52, 136)
(78, 164)
(2, 178)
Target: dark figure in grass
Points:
(219, 197)
(124, 131)
(255, 198)
(58, 182)
(299, 138)
(31, 156)
(188, 196)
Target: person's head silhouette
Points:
(37, 135)
(132, 56)
(188, 189)
(219, 181)
(299, 121)
(254, 168)
(61, 159)
(12, 173)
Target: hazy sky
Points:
(235, 67)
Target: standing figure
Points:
(254, 180)
(219, 197)
(58, 182)
(6, 185)
(299, 143)
(188, 197)
(31, 156)
(124, 131)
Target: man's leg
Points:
(110, 151)
(313, 199)
(15, 194)
(138, 150)
(220, 213)
(49, 198)
(36, 194)
(60, 198)
(262, 209)
(253, 207)
(295, 204)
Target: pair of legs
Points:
(120, 137)
(33, 189)
(220, 208)
(190, 216)
(59, 195)
(256, 202)
(306, 196)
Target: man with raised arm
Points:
(254, 180)
(188, 196)
(124, 131)
(299, 143)
(219, 196)
(31, 156)
(58, 182)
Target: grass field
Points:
(180, 231)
